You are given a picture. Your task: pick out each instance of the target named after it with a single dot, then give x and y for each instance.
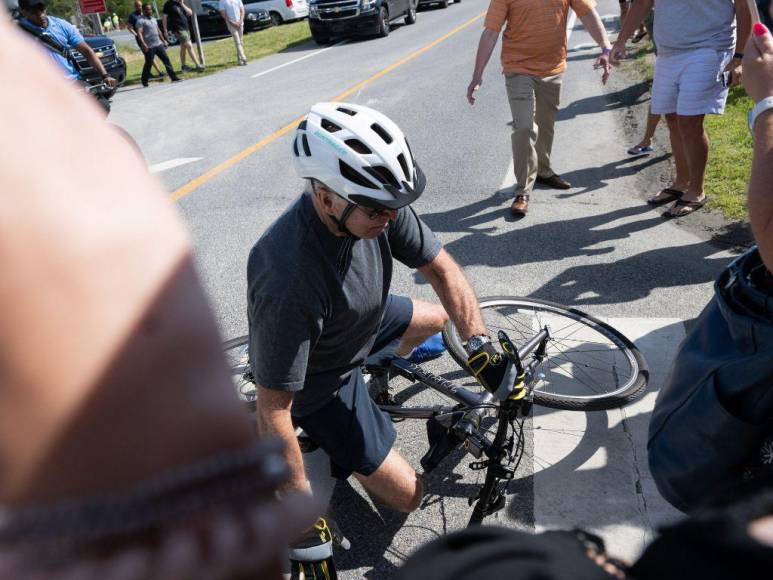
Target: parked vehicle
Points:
(282, 11)
(115, 66)
(329, 18)
(212, 25)
(441, 3)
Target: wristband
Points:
(738, 55)
(606, 51)
(764, 105)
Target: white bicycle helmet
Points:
(360, 154)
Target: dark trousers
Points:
(151, 53)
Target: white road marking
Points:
(583, 459)
(172, 163)
(315, 53)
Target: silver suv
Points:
(283, 10)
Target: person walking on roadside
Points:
(175, 18)
(131, 25)
(533, 59)
(232, 12)
(700, 47)
(152, 42)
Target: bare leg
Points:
(427, 319)
(395, 483)
(695, 143)
(649, 131)
(682, 180)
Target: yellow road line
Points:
(218, 169)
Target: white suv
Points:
(283, 10)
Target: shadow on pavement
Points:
(626, 97)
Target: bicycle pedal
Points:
(478, 465)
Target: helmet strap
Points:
(341, 222)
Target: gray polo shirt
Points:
(315, 300)
(150, 32)
(682, 25)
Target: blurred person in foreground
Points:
(125, 453)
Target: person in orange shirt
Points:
(533, 59)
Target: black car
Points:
(104, 48)
(441, 3)
(329, 18)
(212, 25)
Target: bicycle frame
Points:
(462, 421)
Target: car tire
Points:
(320, 39)
(171, 38)
(383, 22)
(276, 19)
(410, 17)
(444, 4)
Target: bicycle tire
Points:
(499, 312)
(236, 355)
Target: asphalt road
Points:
(221, 146)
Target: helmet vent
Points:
(295, 147)
(302, 126)
(404, 165)
(352, 175)
(346, 111)
(382, 133)
(358, 146)
(329, 126)
(383, 174)
(306, 148)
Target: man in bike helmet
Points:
(320, 305)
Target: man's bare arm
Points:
(633, 20)
(592, 23)
(274, 419)
(488, 40)
(455, 293)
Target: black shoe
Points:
(176, 80)
(554, 181)
(186, 68)
(145, 85)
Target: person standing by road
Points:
(175, 18)
(131, 25)
(232, 12)
(152, 42)
(36, 21)
(533, 59)
(695, 66)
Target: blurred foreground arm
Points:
(758, 81)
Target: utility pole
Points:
(196, 8)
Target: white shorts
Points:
(690, 82)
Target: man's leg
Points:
(395, 483)
(149, 56)
(682, 178)
(695, 142)
(188, 47)
(427, 319)
(164, 58)
(520, 95)
(183, 62)
(547, 94)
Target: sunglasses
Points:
(373, 214)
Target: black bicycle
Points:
(566, 359)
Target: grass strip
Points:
(730, 156)
(221, 54)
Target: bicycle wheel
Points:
(241, 372)
(589, 365)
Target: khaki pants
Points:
(237, 32)
(534, 104)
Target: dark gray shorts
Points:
(351, 428)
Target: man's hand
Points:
(735, 67)
(312, 555)
(617, 54)
(603, 63)
(758, 64)
(495, 372)
(473, 86)
(110, 81)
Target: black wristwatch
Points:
(738, 55)
(475, 342)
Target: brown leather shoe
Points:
(554, 181)
(520, 205)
